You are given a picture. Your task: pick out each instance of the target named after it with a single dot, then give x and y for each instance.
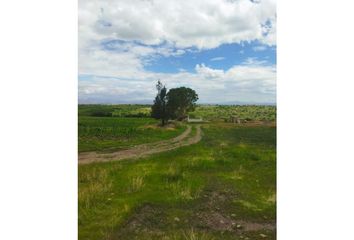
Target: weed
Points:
(174, 173)
(193, 235)
(182, 191)
(137, 183)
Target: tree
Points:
(158, 110)
(180, 101)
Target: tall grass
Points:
(95, 186)
(193, 235)
(136, 184)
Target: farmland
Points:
(114, 133)
(221, 187)
(208, 112)
(220, 112)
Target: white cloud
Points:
(217, 59)
(200, 23)
(172, 27)
(254, 61)
(247, 82)
(207, 72)
(259, 48)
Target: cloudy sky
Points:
(223, 49)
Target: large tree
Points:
(158, 110)
(180, 101)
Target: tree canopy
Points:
(180, 101)
(158, 109)
(174, 104)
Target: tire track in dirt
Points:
(144, 149)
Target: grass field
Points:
(223, 187)
(116, 133)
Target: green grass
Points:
(230, 174)
(113, 133)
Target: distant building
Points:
(235, 119)
(194, 120)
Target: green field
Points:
(223, 187)
(114, 133)
(105, 128)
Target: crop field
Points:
(208, 112)
(217, 112)
(113, 133)
(221, 187)
(123, 110)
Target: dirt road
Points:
(145, 149)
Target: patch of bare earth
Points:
(218, 221)
(145, 149)
(146, 219)
(212, 215)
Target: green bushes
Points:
(247, 112)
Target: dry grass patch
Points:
(183, 191)
(96, 184)
(136, 184)
(238, 174)
(193, 235)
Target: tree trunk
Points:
(163, 122)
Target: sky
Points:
(223, 49)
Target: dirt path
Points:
(145, 149)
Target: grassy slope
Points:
(110, 133)
(230, 173)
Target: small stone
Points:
(246, 238)
(221, 221)
(176, 219)
(233, 215)
(233, 224)
(263, 235)
(238, 226)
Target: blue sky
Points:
(223, 49)
(222, 57)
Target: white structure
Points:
(193, 120)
